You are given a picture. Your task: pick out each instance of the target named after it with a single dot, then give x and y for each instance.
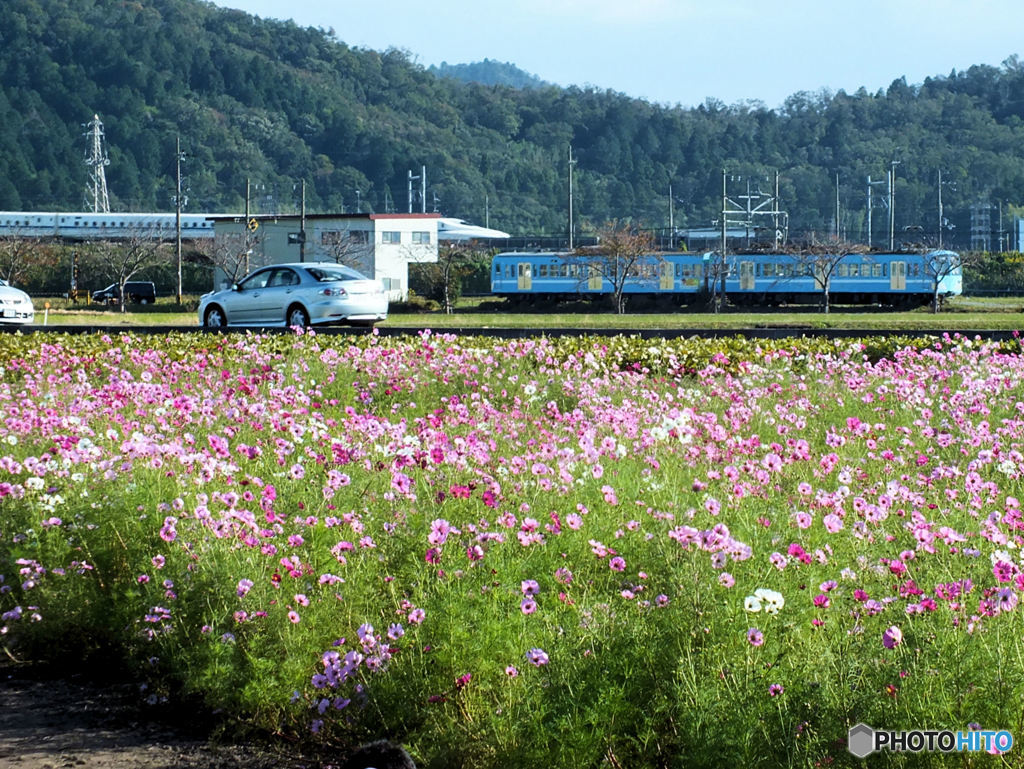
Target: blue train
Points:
(897, 279)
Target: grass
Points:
(961, 314)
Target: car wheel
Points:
(297, 316)
(214, 318)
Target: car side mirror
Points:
(235, 287)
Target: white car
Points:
(15, 305)
(296, 294)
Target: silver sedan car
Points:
(15, 305)
(297, 294)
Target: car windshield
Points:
(3, 282)
(334, 274)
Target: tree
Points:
(443, 279)
(822, 259)
(19, 255)
(622, 252)
(230, 252)
(124, 258)
(351, 248)
(939, 265)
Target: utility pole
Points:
(725, 224)
(177, 211)
(870, 198)
(892, 205)
(423, 189)
(302, 225)
(837, 205)
(248, 250)
(671, 215)
(572, 162)
(940, 208)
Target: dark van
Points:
(137, 291)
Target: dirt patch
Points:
(55, 719)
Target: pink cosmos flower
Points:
(775, 690)
(529, 587)
(892, 637)
(755, 637)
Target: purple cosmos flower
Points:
(755, 636)
(537, 657)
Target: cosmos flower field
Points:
(549, 552)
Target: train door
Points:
(898, 276)
(595, 281)
(746, 276)
(525, 273)
(668, 276)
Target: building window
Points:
(391, 237)
(421, 238)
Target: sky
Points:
(682, 51)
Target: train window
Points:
(843, 270)
(542, 271)
(876, 271)
(914, 270)
(563, 270)
(885, 270)
(698, 271)
(497, 270)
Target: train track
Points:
(523, 333)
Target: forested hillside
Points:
(275, 103)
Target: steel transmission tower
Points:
(96, 158)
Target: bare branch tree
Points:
(455, 260)
(230, 252)
(351, 248)
(622, 254)
(940, 265)
(124, 258)
(821, 259)
(19, 256)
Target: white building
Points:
(379, 245)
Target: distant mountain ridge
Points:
(268, 104)
(489, 72)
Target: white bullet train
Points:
(89, 225)
(459, 229)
